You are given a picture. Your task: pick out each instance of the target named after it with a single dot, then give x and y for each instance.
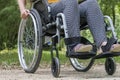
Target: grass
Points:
(46, 58)
(10, 58)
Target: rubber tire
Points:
(55, 67)
(39, 31)
(110, 66)
(78, 67)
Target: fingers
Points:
(25, 13)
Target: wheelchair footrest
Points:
(81, 55)
(107, 54)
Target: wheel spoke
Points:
(29, 42)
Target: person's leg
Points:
(90, 11)
(71, 12)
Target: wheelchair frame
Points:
(31, 67)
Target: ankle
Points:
(104, 43)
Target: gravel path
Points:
(67, 73)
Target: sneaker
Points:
(83, 48)
(115, 48)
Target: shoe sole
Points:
(86, 48)
(116, 49)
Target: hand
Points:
(24, 13)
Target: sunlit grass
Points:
(10, 58)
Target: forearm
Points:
(22, 4)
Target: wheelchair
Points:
(33, 30)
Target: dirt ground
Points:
(66, 73)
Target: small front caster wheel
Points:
(55, 67)
(110, 66)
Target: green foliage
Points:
(9, 22)
(9, 57)
(111, 8)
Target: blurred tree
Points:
(110, 7)
(9, 21)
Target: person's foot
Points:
(83, 48)
(115, 48)
(99, 51)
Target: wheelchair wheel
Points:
(55, 67)
(110, 66)
(82, 65)
(30, 42)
